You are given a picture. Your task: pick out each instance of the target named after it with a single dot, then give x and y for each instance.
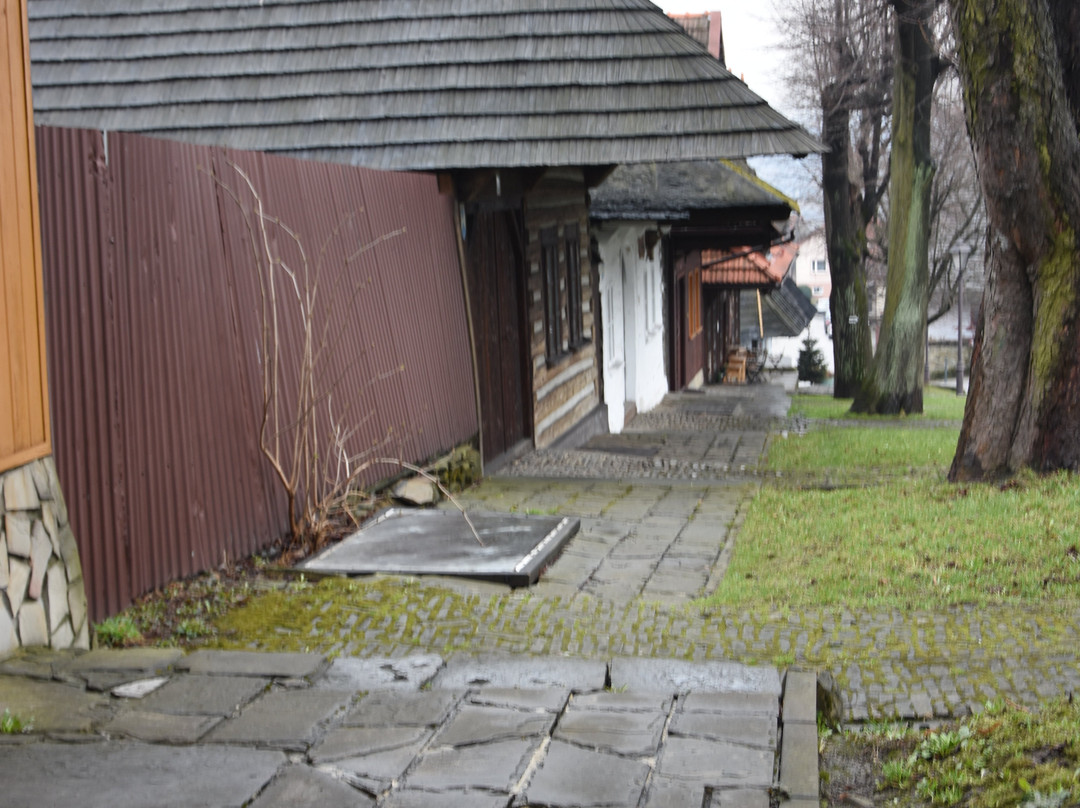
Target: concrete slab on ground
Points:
(509, 548)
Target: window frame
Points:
(561, 292)
(549, 281)
(693, 303)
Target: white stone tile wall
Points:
(42, 596)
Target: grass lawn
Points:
(938, 405)
(899, 536)
(864, 452)
(862, 517)
(908, 544)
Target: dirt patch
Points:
(851, 765)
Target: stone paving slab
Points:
(387, 709)
(106, 775)
(282, 719)
(477, 724)
(526, 673)
(359, 742)
(738, 728)
(628, 734)
(245, 663)
(300, 785)
(204, 695)
(567, 742)
(409, 673)
(491, 766)
(465, 798)
(50, 706)
(160, 727)
(717, 763)
(136, 660)
(685, 677)
(571, 777)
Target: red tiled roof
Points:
(738, 267)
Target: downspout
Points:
(459, 210)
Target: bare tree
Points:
(957, 212)
(844, 67)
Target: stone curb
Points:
(799, 765)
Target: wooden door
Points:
(494, 253)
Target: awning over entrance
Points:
(785, 310)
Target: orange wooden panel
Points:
(24, 418)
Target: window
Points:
(549, 272)
(693, 303)
(650, 297)
(564, 316)
(574, 315)
(817, 267)
(609, 325)
(818, 291)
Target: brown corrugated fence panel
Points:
(155, 335)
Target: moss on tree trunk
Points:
(895, 383)
(1020, 90)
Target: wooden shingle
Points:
(401, 84)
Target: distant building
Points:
(812, 267)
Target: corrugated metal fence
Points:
(156, 335)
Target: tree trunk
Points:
(896, 382)
(1021, 89)
(845, 235)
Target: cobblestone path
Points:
(655, 538)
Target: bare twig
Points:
(428, 476)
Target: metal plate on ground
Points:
(401, 541)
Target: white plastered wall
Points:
(631, 299)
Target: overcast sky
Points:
(750, 40)
(751, 49)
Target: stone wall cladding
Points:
(42, 596)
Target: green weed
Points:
(12, 724)
(118, 631)
(192, 628)
(1003, 756)
(896, 774)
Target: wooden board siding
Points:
(493, 256)
(687, 349)
(24, 395)
(567, 389)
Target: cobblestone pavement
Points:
(718, 434)
(626, 588)
(910, 665)
(659, 538)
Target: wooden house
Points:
(706, 210)
(519, 108)
(42, 596)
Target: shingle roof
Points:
(401, 84)
(673, 192)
